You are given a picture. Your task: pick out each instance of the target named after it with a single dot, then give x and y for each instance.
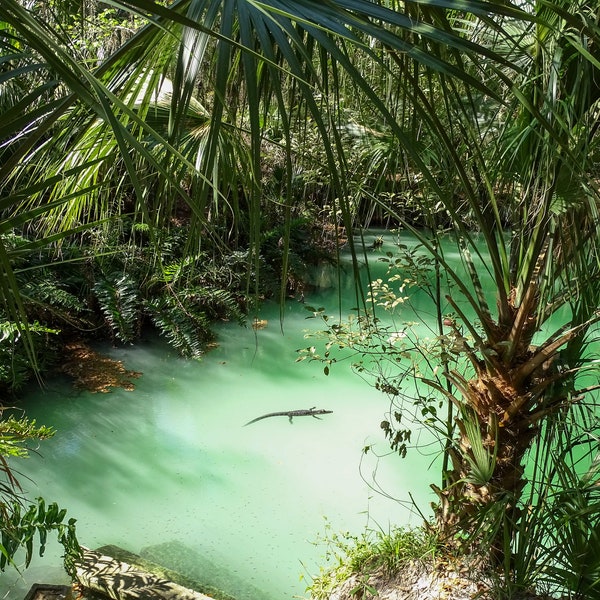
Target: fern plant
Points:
(119, 301)
(217, 304)
(185, 328)
(52, 292)
(184, 316)
(49, 300)
(15, 364)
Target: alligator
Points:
(307, 412)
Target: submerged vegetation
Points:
(169, 164)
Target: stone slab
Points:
(121, 581)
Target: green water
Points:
(170, 472)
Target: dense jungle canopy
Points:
(168, 164)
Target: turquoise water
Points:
(170, 472)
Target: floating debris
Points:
(95, 372)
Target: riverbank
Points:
(424, 581)
(409, 564)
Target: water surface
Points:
(170, 472)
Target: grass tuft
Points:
(373, 550)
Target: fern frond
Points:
(186, 329)
(52, 293)
(48, 300)
(15, 366)
(119, 302)
(218, 304)
(173, 272)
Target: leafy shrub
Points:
(21, 524)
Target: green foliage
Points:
(20, 524)
(14, 433)
(15, 362)
(48, 294)
(348, 554)
(550, 535)
(110, 282)
(408, 111)
(187, 330)
(185, 317)
(572, 527)
(219, 305)
(186, 298)
(481, 459)
(119, 301)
